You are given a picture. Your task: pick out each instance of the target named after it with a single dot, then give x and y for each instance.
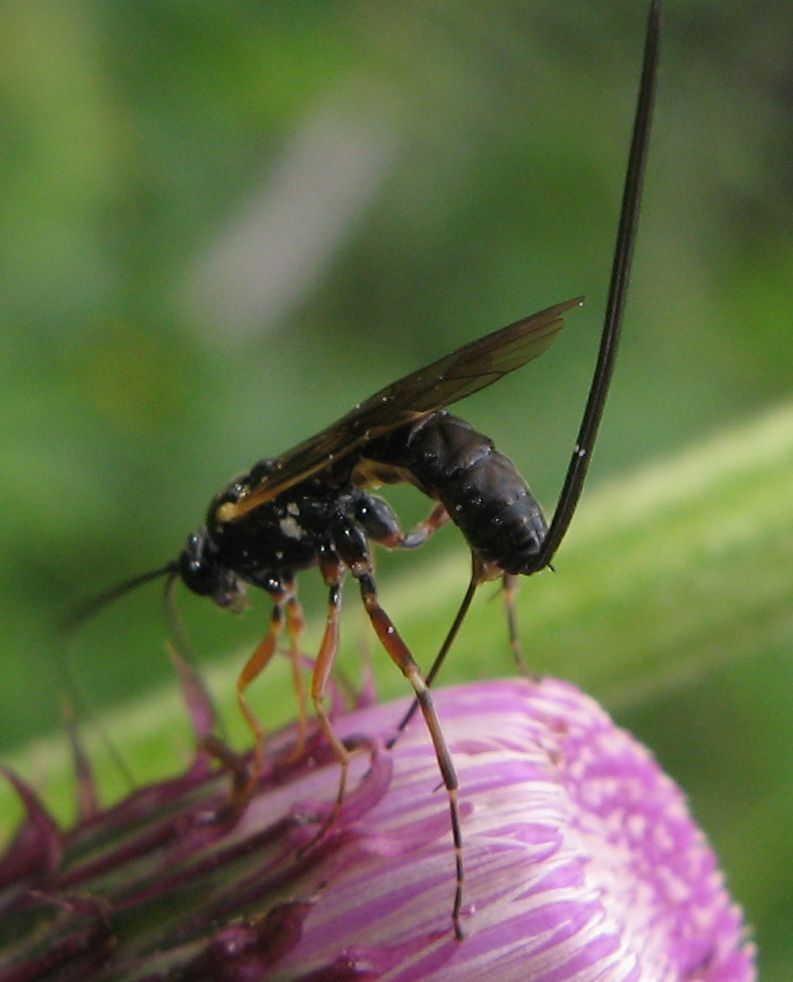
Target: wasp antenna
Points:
(69, 679)
(176, 629)
(183, 657)
(620, 275)
(74, 707)
(91, 607)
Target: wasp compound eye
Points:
(203, 574)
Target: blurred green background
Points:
(223, 224)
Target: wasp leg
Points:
(511, 584)
(351, 545)
(295, 622)
(448, 641)
(378, 520)
(510, 587)
(255, 665)
(234, 763)
(402, 658)
(426, 529)
(323, 666)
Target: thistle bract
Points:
(582, 862)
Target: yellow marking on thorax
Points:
(374, 473)
(226, 511)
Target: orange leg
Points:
(510, 588)
(255, 665)
(351, 544)
(473, 584)
(319, 681)
(511, 584)
(295, 622)
(380, 524)
(402, 658)
(426, 529)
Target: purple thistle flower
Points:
(582, 862)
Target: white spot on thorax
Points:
(291, 528)
(293, 508)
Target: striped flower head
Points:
(582, 862)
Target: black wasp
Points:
(314, 507)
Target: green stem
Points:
(665, 576)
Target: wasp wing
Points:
(451, 378)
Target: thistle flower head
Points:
(582, 862)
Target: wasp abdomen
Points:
(480, 488)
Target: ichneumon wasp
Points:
(313, 506)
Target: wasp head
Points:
(202, 573)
